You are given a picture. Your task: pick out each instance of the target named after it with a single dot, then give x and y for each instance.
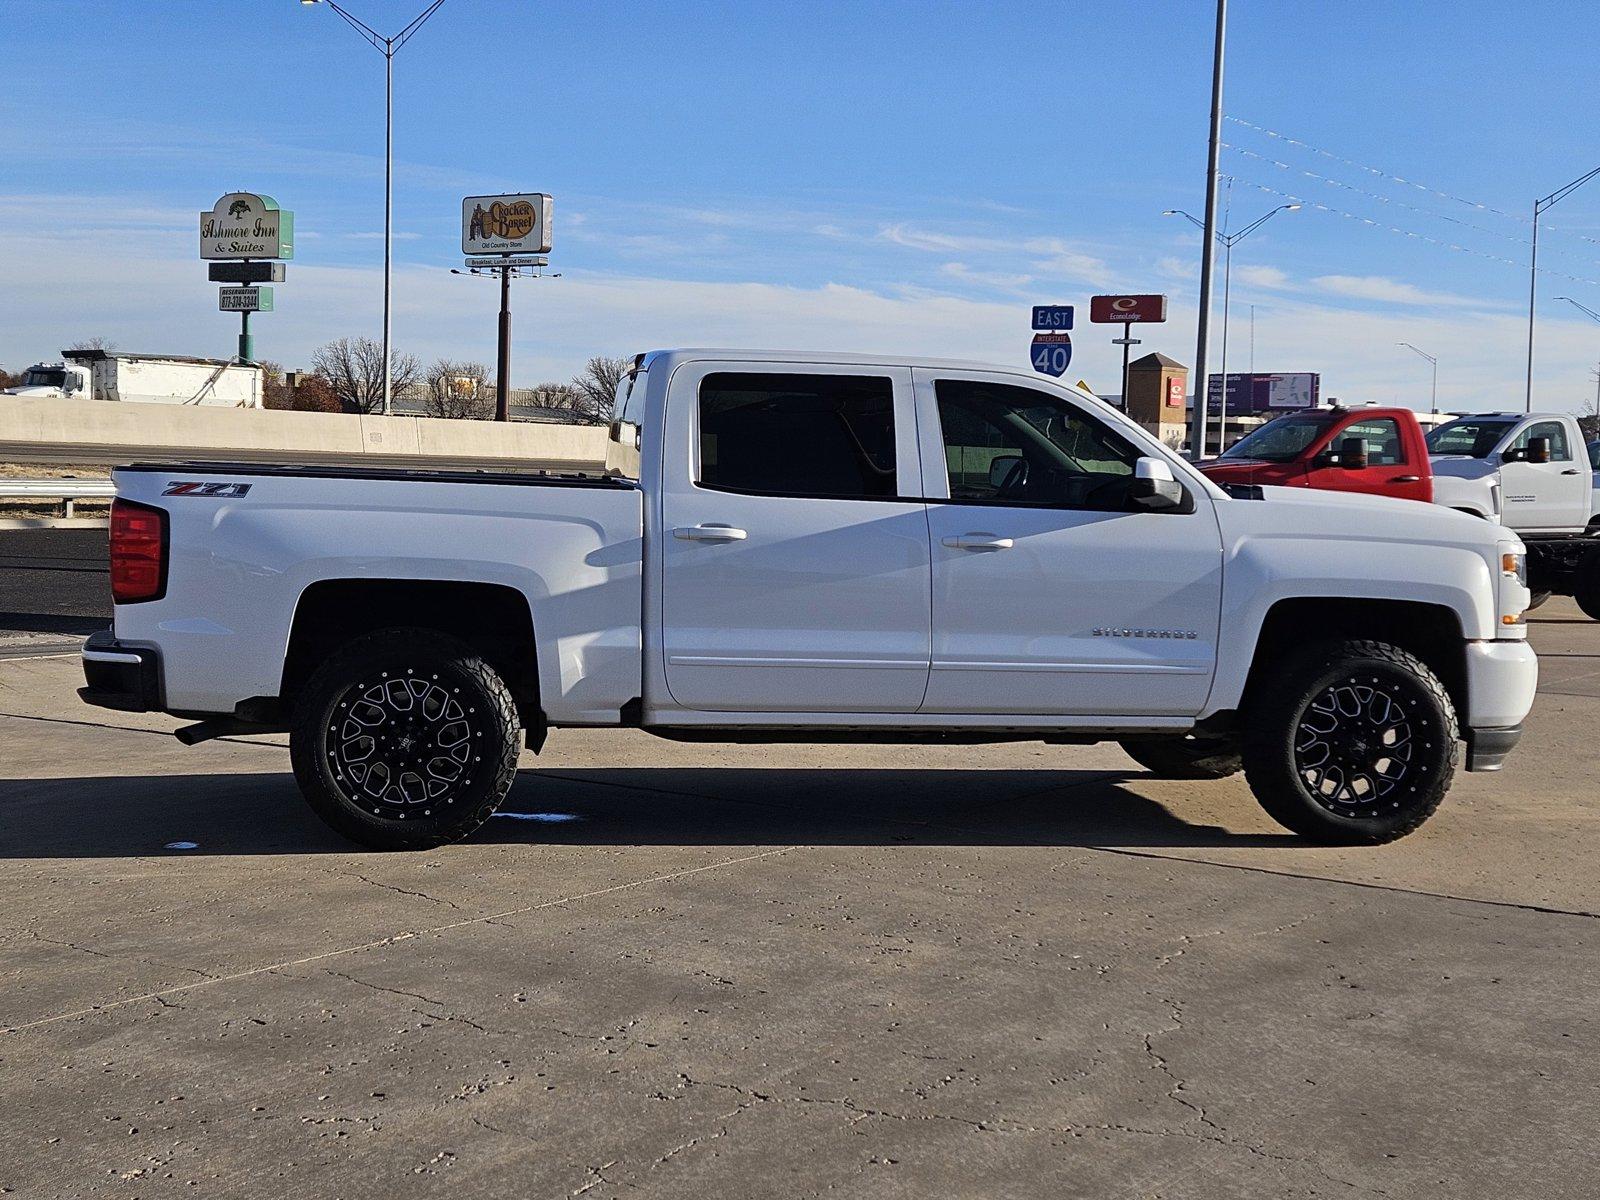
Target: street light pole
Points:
(1228, 240)
(387, 46)
(1197, 428)
(1555, 197)
(1433, 401)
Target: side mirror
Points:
(1515, 454)
(1539, 450)
(1353, 453)
(1154, 487)
(1001, 468)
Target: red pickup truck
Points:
(1379, 451)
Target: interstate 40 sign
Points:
(1051, 353)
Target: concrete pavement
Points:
(696, 970)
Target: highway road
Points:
(54, 588)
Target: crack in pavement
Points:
(394, 887)
(393, 939)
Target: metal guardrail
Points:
(65, 490)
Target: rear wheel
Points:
(1536, 599)
(1185, 757)
(404, 740)
(1587, 591)
(1351, 742)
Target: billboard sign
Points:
(1109, 310)
(1264, 392)
(1052, 316)
(245, 225)
(513, 224)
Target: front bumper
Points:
(126, 678)
(1501, 680)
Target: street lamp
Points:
(1227, 240)
(1555, 197)
(1583, 308)
(1433, 396)
(388, 47)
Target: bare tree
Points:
(93, 343)
(595, 388)
(353, 368)
(459, 390)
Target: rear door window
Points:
(826, 436)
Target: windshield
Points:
(1476, 437)
(42, 378)
(1282, 440)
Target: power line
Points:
(1411, 233)
(1426, 212)
(1393, 178)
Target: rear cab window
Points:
(806, 435)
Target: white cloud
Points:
(1391, 291)
(1262, 277)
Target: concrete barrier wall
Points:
(100, 433)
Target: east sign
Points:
(514, 224)
(245, 225)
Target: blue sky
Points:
(893, 176)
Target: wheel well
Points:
(1430, 631)
(491, 618)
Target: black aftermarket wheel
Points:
(1352, 742)
(405, 739)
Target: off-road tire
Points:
(1349, 702)
(1587, 591)
(428, 711)
(1185, 757)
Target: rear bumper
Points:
(125, 678)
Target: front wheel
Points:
(1351, 742)
(405, 739)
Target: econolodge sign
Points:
(1108, 310)
(245, 225)
(515, 224)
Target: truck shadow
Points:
(239, 814)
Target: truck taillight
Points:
(138, 552)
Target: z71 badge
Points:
(226, 491)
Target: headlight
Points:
(1513, 587)
(1516, 566)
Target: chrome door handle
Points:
(1406, 479)
(977, 541)
(709, 533)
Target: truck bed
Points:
(247, 542)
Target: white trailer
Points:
(144, 379)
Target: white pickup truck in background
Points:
(822, 548)
(1532, 473)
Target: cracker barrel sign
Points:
(245, 225)
(518, 224)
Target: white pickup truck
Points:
(1531, 472)
(821, 548)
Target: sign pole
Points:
(502, 392)
(1127, 344)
